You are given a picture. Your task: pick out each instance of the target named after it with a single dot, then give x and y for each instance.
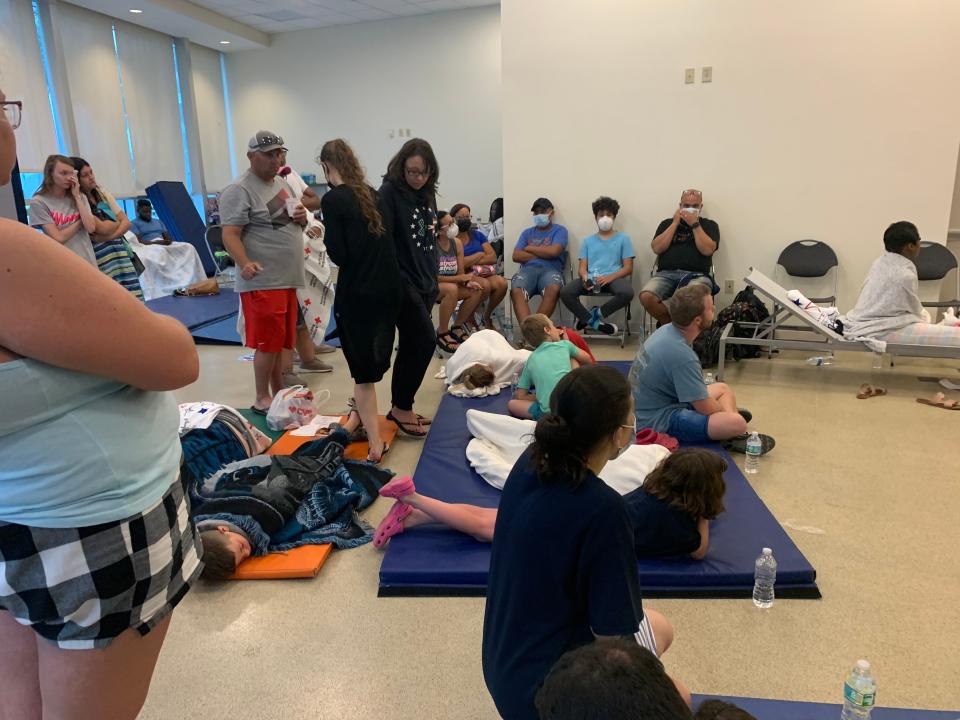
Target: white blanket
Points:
(166, 267)
(499, 441)
(489, 348)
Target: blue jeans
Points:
(534, 279)
(689, 426)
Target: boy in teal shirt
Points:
(552, 358)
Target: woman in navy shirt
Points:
(562, 568)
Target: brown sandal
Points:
(869, 391)
(940, 401)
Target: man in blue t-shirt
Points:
(149, 230)
(669, 393)
(541, 252)
(606, 265)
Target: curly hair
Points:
(340, 155)
(219, 562)
(691, 480)
(478, 375)
(416, 147)
(605, 203)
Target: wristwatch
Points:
(695, 225)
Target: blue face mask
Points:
(541, 220)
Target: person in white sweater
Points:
(889, 308)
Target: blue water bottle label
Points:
(855, 697)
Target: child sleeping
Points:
(670, 512)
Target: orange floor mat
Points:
(301, 562)
(355, 451)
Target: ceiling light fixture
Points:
(136, 12)
(224, 42)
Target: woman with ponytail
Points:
(562, 566)
(368, 286)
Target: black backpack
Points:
(746, 308)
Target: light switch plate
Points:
(706, 74)
(690, 76)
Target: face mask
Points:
(691, 210)
(541, 220)
(605, 223)
(621, 450)
(463, 224)
(452, 231)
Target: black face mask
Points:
(464, 224)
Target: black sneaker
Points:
(608, 328)
(580, 326)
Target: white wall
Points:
(438, 75)
(824, 119)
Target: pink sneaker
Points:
(398, 487)
(392, 524)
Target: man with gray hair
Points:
(684, 245)
(263, 223)
(669, 392)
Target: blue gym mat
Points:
(792, 710)
(221, 332)
(199, 311)
(176, 210)
(433, 560)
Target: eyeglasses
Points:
(416, 173)
(269, 140)
(691, 191)
(13, 111)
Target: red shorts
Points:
(270, 317)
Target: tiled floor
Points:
(878, 477)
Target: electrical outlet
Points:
(728, 287)
(706, 74)
(690, 76)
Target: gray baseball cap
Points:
(265, 141)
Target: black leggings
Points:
(416, 342)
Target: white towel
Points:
(499, 441)
(491, 349)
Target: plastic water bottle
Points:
(708, 378)
(754, 450)
(594, 287)
(859, 692)
(764, 578)
(819, 360)
(514, 381)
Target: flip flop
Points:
(424, 420)
(404, 427)
(940, 401)
(398, 487)
(258, 411)
(448, 342)
(869, 391)
(386, 449)
(392, 524)
(745, 414)
(739, 444)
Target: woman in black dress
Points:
(367, 301)
(409, 194)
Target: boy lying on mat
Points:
(670, 513)
(552, 358)
(277, 502)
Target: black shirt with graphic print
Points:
(414, 221)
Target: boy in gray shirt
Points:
(262, 231)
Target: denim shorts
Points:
(689, 426)
(664, 283)
(534, 279)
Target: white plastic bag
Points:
(293, 407)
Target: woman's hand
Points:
(474, 285)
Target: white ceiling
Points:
(279, 16)
(247, 24)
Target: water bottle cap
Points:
(863, 665)
(768, 551)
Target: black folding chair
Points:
(809, 259)
(934, 263)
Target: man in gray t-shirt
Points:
(262, 231)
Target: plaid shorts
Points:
(82, 587)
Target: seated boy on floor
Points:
(552, 358)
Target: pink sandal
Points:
(398, 487)
(392, 524)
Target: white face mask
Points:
(605, 223)
(452, 231)
(691, 210)
(621, 450)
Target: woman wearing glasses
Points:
(409, 195)
(96, 543)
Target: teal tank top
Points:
(79, 450)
